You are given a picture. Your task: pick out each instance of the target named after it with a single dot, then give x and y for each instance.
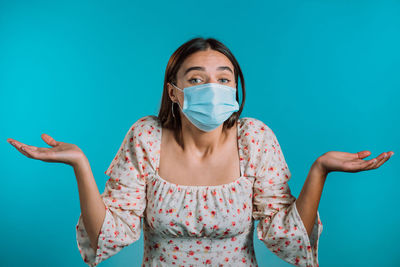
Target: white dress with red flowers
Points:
(201, 225)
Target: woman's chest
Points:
(183, 168)
(219, 211)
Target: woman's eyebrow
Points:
(203, 69)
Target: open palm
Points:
(58, 152)
(351, 162)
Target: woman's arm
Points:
(93, 209)
(92, 205)
(310, 195)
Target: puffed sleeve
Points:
(125, 201)
(280, 226)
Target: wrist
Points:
(80, 162)
(319, 168)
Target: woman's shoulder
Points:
(146, 121)
(253, 126)
(138, 149)
(143, 131)
(255, 134)
(145, 125)
(255, 139)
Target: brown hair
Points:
(178, 57)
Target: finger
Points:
(348, 155)
(18, 145)
(388, 156)
(49, 140)
(381, 156)
(379, 160)
(22, 149)
(361, 165)
(363, 154)
(34, 152)
(369, 164)
(364, 163)
(31, 152)
(10, 141)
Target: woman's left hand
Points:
(350, 162)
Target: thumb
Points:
(49, 140)
(363, 154)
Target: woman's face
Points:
(208, 66)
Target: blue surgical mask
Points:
(208, 105)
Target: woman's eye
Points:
(193, 79)
(199, 80)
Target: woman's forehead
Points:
(201, 68)
(209, 60)
(208, 56)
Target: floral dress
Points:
(200, 225)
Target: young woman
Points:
(199, 176)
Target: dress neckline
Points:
(237, 180)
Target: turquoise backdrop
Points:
(324, 75)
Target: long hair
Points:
(178, 57)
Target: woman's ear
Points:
(171, 92)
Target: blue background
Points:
(324, 75)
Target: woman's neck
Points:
(201, 144)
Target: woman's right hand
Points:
(59, 152)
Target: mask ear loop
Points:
(172, 109)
